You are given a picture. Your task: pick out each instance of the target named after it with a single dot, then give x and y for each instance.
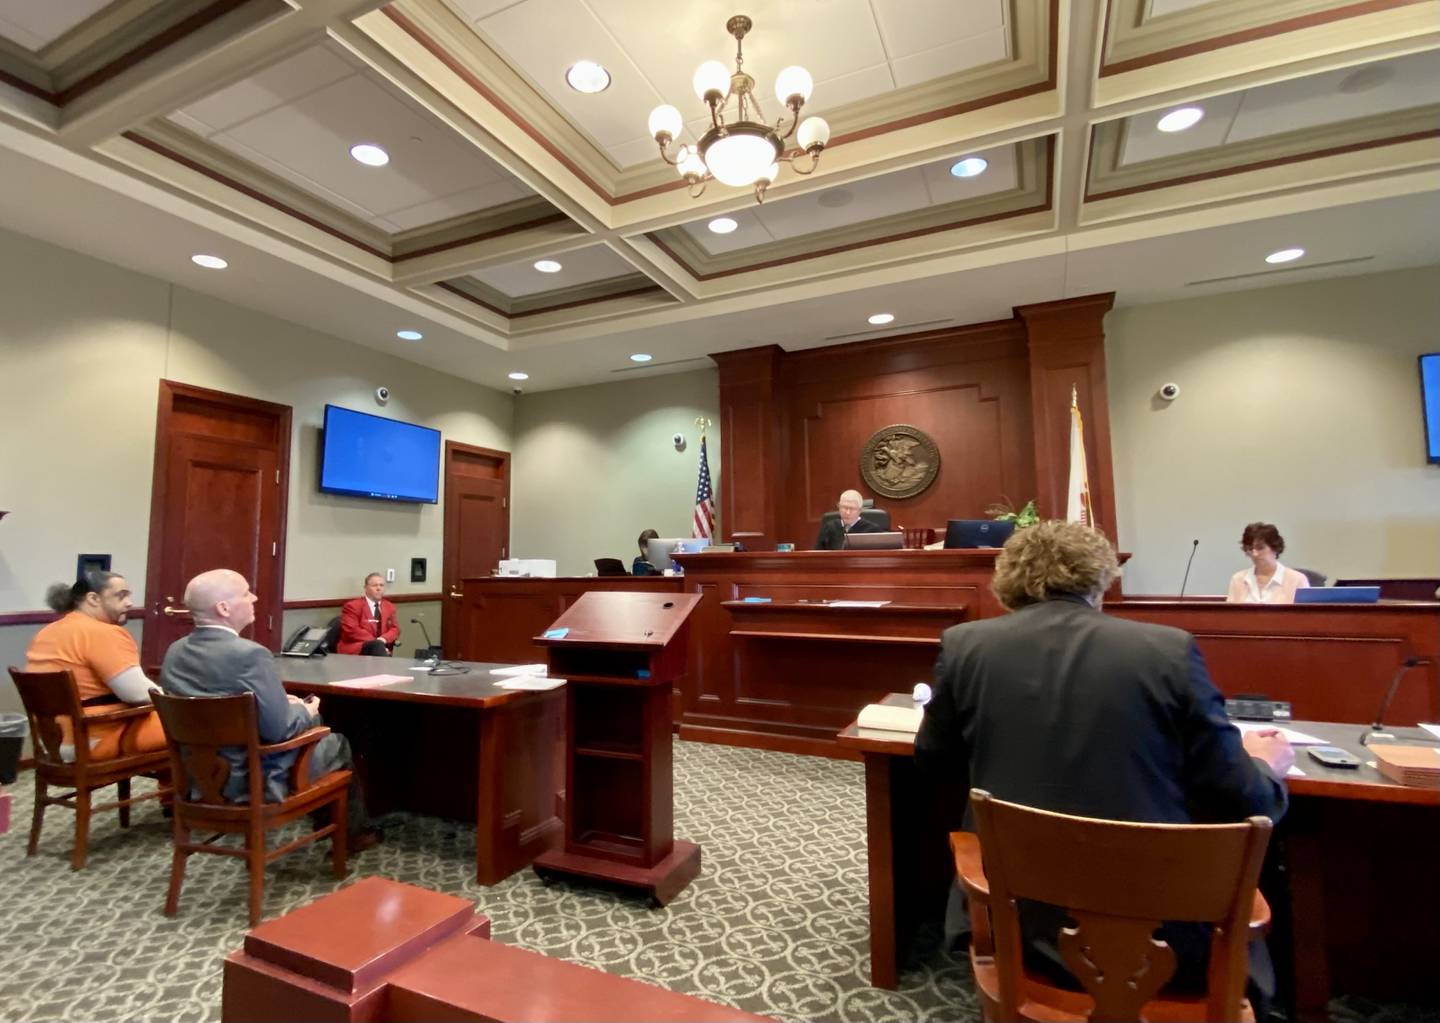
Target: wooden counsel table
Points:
(450, 746)
(774, 664)
(1359, 851)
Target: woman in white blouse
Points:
(1266, 581)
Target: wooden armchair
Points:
(48, 697)
(196, 729)
(916, 537)
(1118, 881)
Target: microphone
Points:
(1194, 546)
(1378, 728)
(431, 651)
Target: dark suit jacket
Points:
(357, 625)
(832, 534)
(1062, 707)
(216, 662)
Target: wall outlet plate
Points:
(389, 575)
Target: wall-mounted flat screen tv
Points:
(1430, 401)
(369, 456)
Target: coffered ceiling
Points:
(230, 123)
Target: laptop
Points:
(1337, 595)
(874, 541)
(972, 533)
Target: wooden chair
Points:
(196, 729)
(1118, 881)
(49, 696)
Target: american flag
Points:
(704, 525)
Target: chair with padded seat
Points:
(1117, 881)
(196, 729)
(48, 697)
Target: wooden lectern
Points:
(619, 653)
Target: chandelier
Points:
(740, 148)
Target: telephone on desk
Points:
(1257, 708)
(308, 641)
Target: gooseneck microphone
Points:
(1194, 546)
(440, 667)
(1378, 727)
(423, 632)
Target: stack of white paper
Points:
(519, 669)
(885, 718)
(530, 683)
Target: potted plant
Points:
(1005, 512)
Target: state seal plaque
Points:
(899, 461)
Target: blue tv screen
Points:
(370, 456)
(1430, 398)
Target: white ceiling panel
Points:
(35, 24)
(861, 201)
(1160, 8)
(913, 26)
(299, 118)
(1144, 141)
(545, 37)
(1339, 96)
(943, 60)
(289, 80)
(581, 266)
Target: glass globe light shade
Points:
(690, 163)
(666, 120)
(814, 131)
(740, 159)
(769, 174)
(793, 81)
(711, 76)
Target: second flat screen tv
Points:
(370, 456)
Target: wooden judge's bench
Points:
(784, 652)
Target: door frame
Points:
(169, 391)
(446, 582)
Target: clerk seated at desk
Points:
(1266, 581)
(368, 624)
(834, 530)
(641, 565)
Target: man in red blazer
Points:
(368, 624)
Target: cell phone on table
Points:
(1333, 756)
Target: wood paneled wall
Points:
(995, 397)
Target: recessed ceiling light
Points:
(548, 266)
(836, 198)
(1179, 120)
(370, 155)
(209, 262)
(1285, 256)
(722, 225)
(970, 167)
(641, 357)
(880, 319)
(409, 335)
(519, 376)
(587, 76)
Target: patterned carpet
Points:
(776, 924)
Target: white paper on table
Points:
(371, 681)
(1294, 772)
(520, 669)
(1432, 729)
(1293, 737)
(858, 603)
(530, 683)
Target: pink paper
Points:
(372, 681)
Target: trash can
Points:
(13, 728)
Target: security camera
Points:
(517, 390)
(678, 439)
(1169, 391)
(382, 394)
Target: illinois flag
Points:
(1077, 506)
(704, 524)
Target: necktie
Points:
(376, 605)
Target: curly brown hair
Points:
(1051, 559)
(1262, 532)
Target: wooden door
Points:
(477, 527)
(218, 500)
